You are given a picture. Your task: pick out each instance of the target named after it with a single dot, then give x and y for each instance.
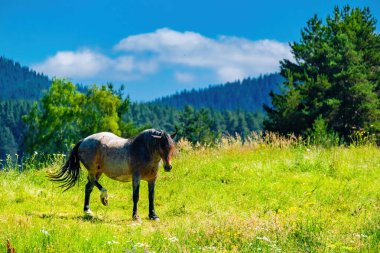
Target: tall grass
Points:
(264, 194)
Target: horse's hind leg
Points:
(93, 181)
(103, 195)
(88, 190)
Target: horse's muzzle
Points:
(167, 167)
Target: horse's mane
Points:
(144, 145)
(146, 136)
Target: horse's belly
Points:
(123, 178)
(117, 172)
(119, 176)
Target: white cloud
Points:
(183, 77)
(80, 64)
(225, 58)
(125, 64)
(229, 58)
(230, 73)
(129, 64)
(161, 40)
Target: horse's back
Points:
(93, 143)
(103, 136)
(105, 152)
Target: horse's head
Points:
(166, 148)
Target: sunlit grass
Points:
(256, 197)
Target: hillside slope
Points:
(247, 95)
(20, 82)
(19, 88)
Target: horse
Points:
(124, 160)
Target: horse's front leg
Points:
(152, 213)
(136, 178)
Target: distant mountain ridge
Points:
(247, 95)
(20, 82)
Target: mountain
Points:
(247, 95)
(231, 108)
(19, 88)
(20, 82)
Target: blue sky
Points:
(156, 47)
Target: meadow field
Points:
(256, 197)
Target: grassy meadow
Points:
(256, 197)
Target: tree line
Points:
(248, 95)
(202, 125)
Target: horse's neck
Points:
(139, 147)
(156, 158)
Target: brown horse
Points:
(120, 159)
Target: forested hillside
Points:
(19, 88)
(20, 82)
(247, 95)
(12, 127)
(195, 124)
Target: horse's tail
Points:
(68, 175)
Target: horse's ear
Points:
(173, 134)
(156, 136)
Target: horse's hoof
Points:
(154, 217)
(136, 217)
(104, 198)
(104, 201)
(88, 213)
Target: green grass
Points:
(252, 198)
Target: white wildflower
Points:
(44, 232)
(360, 235)
(141, 245)
(208, 248)
(173, 239)
(263, 238)
(112, 242)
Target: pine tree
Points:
(8, 144)
(335, 75)
(196, 125)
